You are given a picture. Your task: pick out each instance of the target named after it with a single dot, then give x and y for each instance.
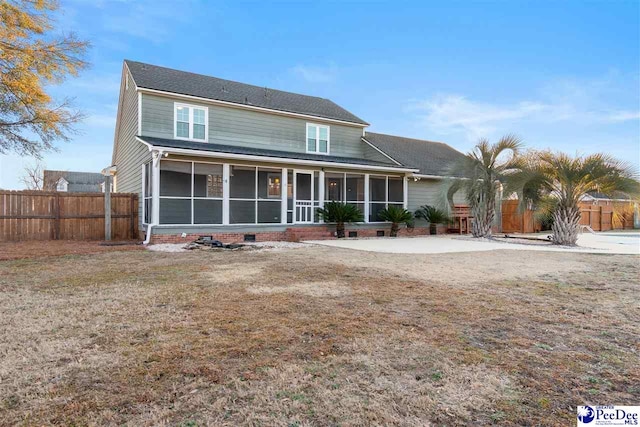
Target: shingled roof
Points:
(79, 182)
(233, 149)
(431, 158)
(181, 82)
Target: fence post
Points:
(132, 217)
(19, 211)
(56, 221)
(107, 207)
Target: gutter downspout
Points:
(147, 238)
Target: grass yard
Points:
(316, 336)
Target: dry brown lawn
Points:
(39, 249)
(316, 336)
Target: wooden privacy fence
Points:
(516, 221)
(43, 215)
(599, 215)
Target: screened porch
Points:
(194, 193)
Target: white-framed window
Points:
(273, 185)
(62, 185)
(318, 138)
(190, 122)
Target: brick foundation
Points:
(292, 234)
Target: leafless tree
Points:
(33, 176)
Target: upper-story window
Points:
(317, 139)
(191, 122)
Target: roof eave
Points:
(270, 159)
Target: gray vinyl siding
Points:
(232, 126)
(429, 192)
(130, 153)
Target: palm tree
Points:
(395, 215)
(340, 213)
(483, 171)
(433, 216)
(563, 181)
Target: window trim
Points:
(191, 107)
(65, 185)
(306, 140)
(274, 175)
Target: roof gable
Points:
(431, 158)
(149, 76)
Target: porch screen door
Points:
(303, 197)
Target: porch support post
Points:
(366, 197)
(155, 187)
(284, 188)
(405, 192)
(225, 194)
(321, 191)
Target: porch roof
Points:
(265, 154)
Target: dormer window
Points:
(317, 139)
(191, 122)
(62, 185)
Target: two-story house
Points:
(216, 157)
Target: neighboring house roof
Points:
(231, 149)
(78, 182)
(181, 82)
(594, 195)
(431, 158)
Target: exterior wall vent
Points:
(353, 234)
(380, 233)
(249, 237)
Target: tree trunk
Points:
(394, 229)
(433, 228)
(340, 230)
(566, 223)
(483, 216)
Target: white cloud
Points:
(316, 74)
(623, 116)
(570, 104)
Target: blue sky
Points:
(564, 75)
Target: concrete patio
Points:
(599, 243)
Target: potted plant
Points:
(340, 213)
(433, 216)
(395, 215)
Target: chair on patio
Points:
(460, 220)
